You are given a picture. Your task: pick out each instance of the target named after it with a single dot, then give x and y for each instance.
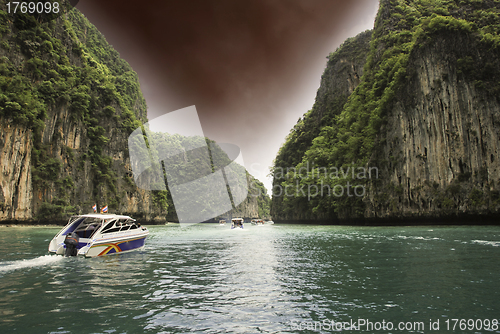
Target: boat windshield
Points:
(118, 225)
(88, 227)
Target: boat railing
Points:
(120, 227)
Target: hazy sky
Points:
(251, 67)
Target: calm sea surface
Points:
(263, 279)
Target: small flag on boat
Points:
(95, 207)
(105, 209)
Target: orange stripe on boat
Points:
(110, 247)
(115, 246)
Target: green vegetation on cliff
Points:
(191, 159)
(258, 190)
(351, 138)
(79, 101)
(66, 67)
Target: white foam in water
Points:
(36, 262)
(485, 242)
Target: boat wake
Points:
(485, 242)
(6, 266)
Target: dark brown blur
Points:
(251, 67)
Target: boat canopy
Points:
(86, 225)
(103, 216)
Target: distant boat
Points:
(237, 223)
(222, 222)
(257, 222)
(96, 234)
(171, 223)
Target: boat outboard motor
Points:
(71, 242)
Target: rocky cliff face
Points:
(342, 75)
(439, 148)
(65, 119)
(15, 190)
(68, 103)
(425, 114)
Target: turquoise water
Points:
(263, 279)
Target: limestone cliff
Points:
(425, 114)
(438, 152)
(342, 75)
(68, 103)
(15, 186)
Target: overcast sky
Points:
(251, 68)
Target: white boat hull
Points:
(99, 242)
(113, 246)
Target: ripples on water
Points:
(210, 279)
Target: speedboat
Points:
(222, 222)
(257, 222)
(237, 223)
(100, 234)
